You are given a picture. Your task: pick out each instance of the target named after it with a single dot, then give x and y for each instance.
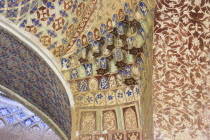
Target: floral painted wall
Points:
(181, 70)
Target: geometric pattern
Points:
(20, 116)
(53, 22)
(17, 115)
(16, 10)
(181, 75)
(25, 73)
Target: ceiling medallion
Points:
(130, 81)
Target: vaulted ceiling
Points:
(27, 71)
(105, 51)
(53, 22)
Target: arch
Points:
(41, 87)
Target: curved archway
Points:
(31, 76)
(18, 123)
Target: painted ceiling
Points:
(24, 72)
(18, 121)
(115, 77)
(110, 77)
(59, 23)
(16, 10)
(53, 22)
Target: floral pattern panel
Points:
(88, 122)
(181, 61)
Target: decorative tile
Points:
(82, 86)
(36, 118)
(4, 111)
(10, 120)
(143, 8)
(134, 136)
(21, 115)
(118, 136)
(28, 122)
(103, 83)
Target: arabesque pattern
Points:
(181, 73)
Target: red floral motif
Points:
(96, 34)
(58, 24)
(180, 69)
(58, 51)
(43, 13)
(121, 14)
(82, 24)
(68, 5)
(31, 29)
(109, 24)
(80, 8)
(69, 30)
(45, 40)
